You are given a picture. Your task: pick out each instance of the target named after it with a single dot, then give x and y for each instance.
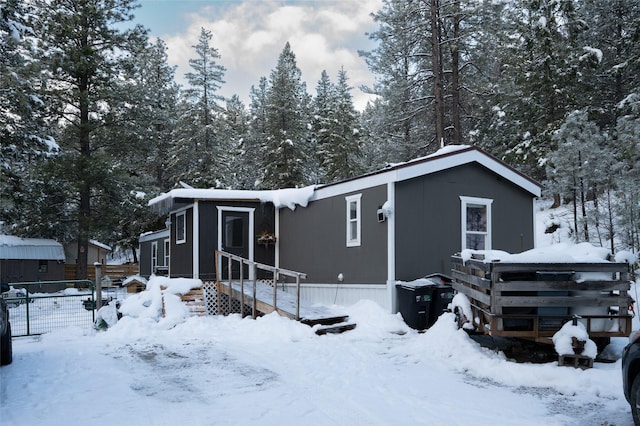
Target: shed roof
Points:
(16, 248)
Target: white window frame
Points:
(181, 239)
(167, 245)
(354, 241)
(475, 201)
(154, 256)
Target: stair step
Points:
(335, 328)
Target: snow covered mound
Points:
(556, 253)
(161, 292)
(563, 340)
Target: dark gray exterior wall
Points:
(25, 270)
(181, 260)
(428, 217)
(313, 240)
(264, 219)
(145, 255)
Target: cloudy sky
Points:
(250, 35)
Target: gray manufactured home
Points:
(356, 238)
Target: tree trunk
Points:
(437, 72)
(455, 77)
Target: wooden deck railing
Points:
(253, 268)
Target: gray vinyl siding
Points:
(313, 240)
(264, 219)
(145, 254)
(181, 261)
(428, 217)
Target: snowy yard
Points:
(274, 371)
(228, 370)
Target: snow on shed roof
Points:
(448, 157)
(288, 197)
(30, 248)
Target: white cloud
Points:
(250, 36)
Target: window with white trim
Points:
(476, 223)
(181, 227)
(166, 252)
(154, 256)
(354, 219)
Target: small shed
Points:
(98, 252)
(30, 259)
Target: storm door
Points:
(235, 230)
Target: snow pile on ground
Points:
(160, 301)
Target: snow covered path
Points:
(232, 371)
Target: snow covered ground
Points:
(274, 371)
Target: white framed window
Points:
(166, 252)
(154, 256)
(354, 220)
(181, 227)
(476, 223)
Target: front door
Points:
(235, 233)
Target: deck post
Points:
(230, 273)
(218, 278)
(254, 307)
(241, 289)
(275, 288)
(297, 297)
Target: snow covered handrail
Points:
(253, 268)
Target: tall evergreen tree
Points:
(199, 150)
(336, 128)
(285, 149)
(25, 140)
(87, 44)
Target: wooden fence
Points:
(115, 272)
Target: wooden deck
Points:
(263, 297)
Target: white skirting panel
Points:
(341, 294)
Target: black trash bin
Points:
(414, 301)
(441, 296)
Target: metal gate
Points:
(45, 306)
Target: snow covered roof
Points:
(289, 197)
(155, 235)
(443, 159)
(30, 248)
(99, 244)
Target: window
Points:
(154, 256)
(43, 266)
(354, 225)
(166, 252)
(476, 223)
(234, 231)
(181, 228)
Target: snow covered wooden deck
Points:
(263, 297)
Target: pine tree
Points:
(336, 129)
(25, 140)
(285, 150)
(87, 44)
(199, 151)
